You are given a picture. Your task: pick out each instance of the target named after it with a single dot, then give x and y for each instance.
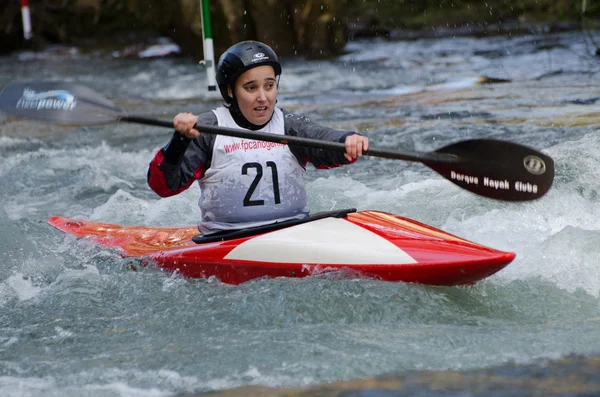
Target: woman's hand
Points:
(184, 124)
(355, 145)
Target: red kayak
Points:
(375, 244)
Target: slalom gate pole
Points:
(26, 17)
(207, 46)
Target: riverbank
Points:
(575, 376)
(284, 25)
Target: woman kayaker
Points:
(246, 183)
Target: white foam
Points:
(29, 386)
(160, 50)
(47, 387)
(556, 238)
(10, 341)
(120, 208)
(22, 287)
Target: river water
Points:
(75, 320)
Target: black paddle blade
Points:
(497, 169)
(58, 103)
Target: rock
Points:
(574, 376)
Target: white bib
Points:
(250, 183)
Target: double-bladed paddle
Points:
(491, 168)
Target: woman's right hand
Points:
(184, 124)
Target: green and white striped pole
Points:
(207, 46)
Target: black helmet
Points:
(241, 57)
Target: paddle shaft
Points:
(491, 168)
(298, 141)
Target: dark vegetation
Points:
(309, 27)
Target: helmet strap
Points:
(240, 119)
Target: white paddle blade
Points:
(57, 103)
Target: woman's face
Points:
(256, 93)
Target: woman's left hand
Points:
(355, 145)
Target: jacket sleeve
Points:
(302, 126)
(182, 161)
